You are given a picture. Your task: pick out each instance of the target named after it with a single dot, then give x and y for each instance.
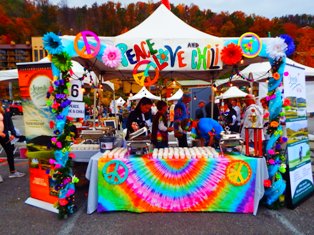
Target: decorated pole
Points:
(277, 50)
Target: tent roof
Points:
(162, 23)
(176, 95)
(232, 92)
(77, 68)
(144, 93)
(262, 70)
(10, 74)
(193, 83)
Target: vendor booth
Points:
(171, 179)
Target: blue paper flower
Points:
(52, 43)
(290, 44)
(163, 55)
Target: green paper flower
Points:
(62, 61)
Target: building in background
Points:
(12, 53)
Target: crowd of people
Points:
(161, 118)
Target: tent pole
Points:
(212, 103)
(94, 109)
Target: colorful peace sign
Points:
(89, 50)
(116, 175)
(143, 78)
(251, 44)
(238, 172)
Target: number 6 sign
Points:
(75, 90)
(88, 51)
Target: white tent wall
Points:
(309, 96)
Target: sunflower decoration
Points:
(231, 54)
(62, 61)
(52, 43)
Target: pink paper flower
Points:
(111, 57)
(59, 145)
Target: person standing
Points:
(231, 119)
(253, 118)
(7, 133)
(208, 109)
(200, 111)
(160, 129)
(136, 119)
(180, 113)
(238, 111)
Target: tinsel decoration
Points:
(57, 100)
(275, 153)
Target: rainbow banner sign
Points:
(142, 184)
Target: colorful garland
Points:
(57, 100)
(275, 186)
(61, 165)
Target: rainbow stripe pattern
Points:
(139, 184)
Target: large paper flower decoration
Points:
(112, 57)
(62, 61)
(231, 54)
(276, 48)
(290, 44)
(52, 43)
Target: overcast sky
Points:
(267, 8)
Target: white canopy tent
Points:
(115, 103)
(161, 32)
(262, 70)
(144, 93)
(232, 92)
(77, 68)
(176, 96)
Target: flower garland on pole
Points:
(57, 99)
(277, 50)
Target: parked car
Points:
(16, 108)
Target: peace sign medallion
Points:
(115, 172)
(238, 172)
(89, 50)
(144, 78)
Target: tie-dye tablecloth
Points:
(139, 184)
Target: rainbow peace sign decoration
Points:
(143, 78)
(238, 172)
(89, 50)
(115, 172)
(250, 44)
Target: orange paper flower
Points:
(276, 76)
(274, 124)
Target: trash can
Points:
(106, 143)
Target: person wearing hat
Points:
(181, 113)
(253, 117)
(200, 111)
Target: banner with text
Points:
(298, 150)
(34, 81)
